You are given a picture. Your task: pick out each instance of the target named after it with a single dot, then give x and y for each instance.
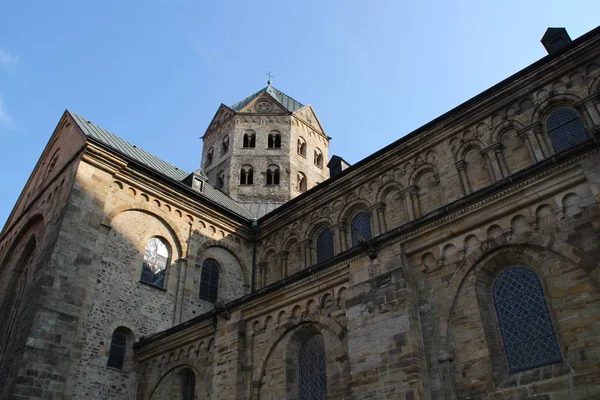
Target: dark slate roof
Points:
(259, 208)
(286, 101)
(154, 163)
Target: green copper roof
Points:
(154, 163)
(286, 101)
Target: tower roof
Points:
(286, 101)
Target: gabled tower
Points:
(265, 148)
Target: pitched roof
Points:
(286, 101)
(259, 208)
(154, 163)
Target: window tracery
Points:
(246, 175)
(565, 129)
(274, 140)
(249, 140)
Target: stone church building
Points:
(460, 262)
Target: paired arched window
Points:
(324, 245)
(225, 145)
(301, 182)
(249, 138)
(273, 175)
(525, 323)
(209, 280)
(188, 384)
(318, 158)
(360, 228)
(565, 129)
(209, 156)
(274, 140)
(156, 259)
(246, 175)
(312, 379)
(220, 180)
(118, 347)
(302, 147)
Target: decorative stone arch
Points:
(227, 245)
(490, 247)
(176, 368)
(595, 86)
(316, 226)
(543, 109)
(386, 188)
(420, 170)
(468, 145)
(352, 208)
(319, 322)
(146, 209)
(35, 226)
(504, 126)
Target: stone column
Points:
(229, 346)
(501, 161)
(378, 219)
(539, 134)
(408, 205)
(414, 196)
(492, 155)
(307, 245)
(524, 137)
(284, 260)
(179, 300)
(445, 365)
(531, 138)
(339, 237)
(587, 106)
(461, 166)
(262, 267)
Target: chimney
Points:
(336, 165)
(555, 39)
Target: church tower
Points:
(267, 147)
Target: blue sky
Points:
(154, 72)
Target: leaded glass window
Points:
(565, 129)
(156, 258)
(361, 228)
(526, 327)
(116, 355)
(312, 369)
(209, 280)
(324, 245)
(188, 384)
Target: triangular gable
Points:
(264, 104)
(283, 99)
(223, 114)
(308, 115)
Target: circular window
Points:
(263, 106)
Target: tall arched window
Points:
(118, 347)
(302, 147)
(209, 280)
(526, 327)
(249, 138)
(324, 245)
(565, 129)
(209, 156)
(301, 182)
(188, 384)
(220, 180)
(225, 145)
(312, 371)
(156, 259)
(274, 140)
(246, 175)
(318, 158)
(361, 228)
(273, 175)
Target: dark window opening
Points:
(565, 129)
(361, 228)
(209, 280)
(249, 139)
(312, 369)
(274, 140)
(324, 245)
(273, 175)
(116, 355)
(246, 175)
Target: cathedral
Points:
(461, 261)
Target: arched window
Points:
(302, 147)
(249, 138)
(361, 228)
(209, 156)
(301, 182)
(526, 328)
(318, 158)
(324, 245)
(273, 175)
(209, 280)
(312, 371)
(565, 129)
(225, 145)
(118, 346)
(274, 140)
(188, 384)
(220, 180)
(156, 259)
(246, 175)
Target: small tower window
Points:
(156, 259)
(318, 158)
(209, 280)
(225, 145)
(302, 147)
(220, 180)
(209, 156)
(249, 139)
(301, 182)
(273, 175)
(565, 129)
(118, 345)
(246, 175)
(274, 140)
